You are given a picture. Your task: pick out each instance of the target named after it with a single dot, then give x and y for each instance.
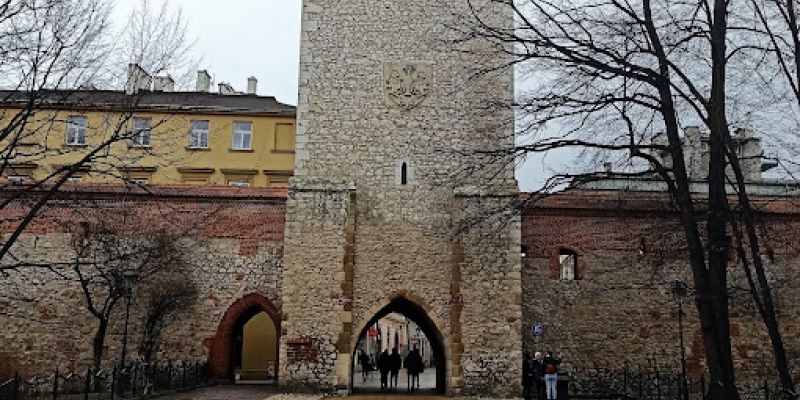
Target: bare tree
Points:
(51, 51)
(165, 298)
(617, 81)
(109, 252)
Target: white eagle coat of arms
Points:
(406, 85)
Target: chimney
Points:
(163, 84)
(745, 131)
(608, 167)
(252, 85)
(203, 81)
(225, 88)
(138, 79)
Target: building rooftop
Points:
(113, 100)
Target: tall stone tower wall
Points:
(394, 196)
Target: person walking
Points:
(414, 367)
(551, 376)
(383, 367)
(366, 366)
(395, 362)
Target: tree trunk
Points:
(723, 383)
(761, 292)
(97, 348)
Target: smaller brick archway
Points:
(220, 356)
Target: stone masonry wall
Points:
(235, 250)
(384, 97)
(620, 310)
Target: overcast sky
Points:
(241, 38)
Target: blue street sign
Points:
(537, 329)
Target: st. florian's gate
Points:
(391, 209)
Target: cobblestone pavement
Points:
(225, 392)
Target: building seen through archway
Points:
(255, 350)
(404, 327)
(245, 348)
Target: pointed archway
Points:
(222, 356)
(414, 312)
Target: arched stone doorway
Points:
(435, 343)
(227, 345)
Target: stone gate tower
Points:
(400, 202)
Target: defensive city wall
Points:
(628, 250)
(230, 239)
(615, 310)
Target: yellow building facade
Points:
(158, 138)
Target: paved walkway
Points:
(225, 392)
(427, 381)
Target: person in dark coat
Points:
(527, 376)
(383, 366)
(414, 367)
(538, 375)
(395, 362)
(366, 366)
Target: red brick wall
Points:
(248, 215)
(43, 315)
(630, 249)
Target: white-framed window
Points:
(19, 179)
(198, 135)
(139, 181)
(74, 179)
(242, 135)
(76, 130)
(141, 132)
(238, 182)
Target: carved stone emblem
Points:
(406, 85)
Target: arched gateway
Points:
(396, 189)
(229, 349)
(416, 313)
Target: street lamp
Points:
(679, 292)
(129, 279)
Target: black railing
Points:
(650, 384)
(136, 381)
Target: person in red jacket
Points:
(551, 375)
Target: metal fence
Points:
(136, 381)
(600, 384)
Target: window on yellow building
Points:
(19, 179)
(138, 175)
(242, 135)
(76, 130)
(195, 176)
(141, 132)
(19, 173)
(198, 135)
(139, 181)
(239, 182)
(284, 137)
